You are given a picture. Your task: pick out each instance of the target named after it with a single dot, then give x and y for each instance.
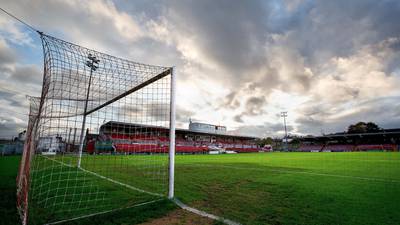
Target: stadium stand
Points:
(377, 147)
(310, 148)
(152, 139)
(338, 148)
(384, 140)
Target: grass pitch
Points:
(47, 211)
(294, 188)
(257, 188)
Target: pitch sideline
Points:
(300, 172)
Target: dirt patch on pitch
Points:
(181, 217)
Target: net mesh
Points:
(97, 137)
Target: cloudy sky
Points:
(239, 63)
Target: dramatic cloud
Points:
(154, 112)
(239, 63)
(264, 130)
(10, 127)
(7, 56)
(183, 115)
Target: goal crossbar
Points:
(138, 87)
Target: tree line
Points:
(360, 127)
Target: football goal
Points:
(100, 137)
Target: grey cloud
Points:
(310, 125)
(254, 105)
(268, 80)
(158, 111)
(230, 101)
(27, 74)
(6, 54)
(10, 68)
(129, 111)
(238, 118)
(9, 127)
(268, 44)
(228, 32)
(314, 32)
(383, 111)
(153, 111)
(78, 22)
(183, 115)
(250, 130)
(338, 28)
(264, 130)
(5, 94)
(14, 99)
(14, 107)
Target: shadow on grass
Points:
(134, 215)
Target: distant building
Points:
(207, 128)
(14, 145)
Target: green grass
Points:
(8, 174)
(259, 188)
(42, 212)
(60, 190)
(294, 188)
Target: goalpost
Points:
(101, 136)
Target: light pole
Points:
(284, 115)
(93, 64)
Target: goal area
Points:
(100, 137)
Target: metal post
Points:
(68, 141)
(284, 115)
(93, 64)
(172, 136)
(73, 141)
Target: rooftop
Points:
(110, 123)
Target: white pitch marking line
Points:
(301, 172)
(176, 201)
(204, 214)
(109, 179)
(103, 212)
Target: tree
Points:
(359, 127)
(295, 141)
(362, 127)
(372, 127)
(265, 141)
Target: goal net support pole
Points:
(92, 64)
(172, 136)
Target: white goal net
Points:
(99, 135)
